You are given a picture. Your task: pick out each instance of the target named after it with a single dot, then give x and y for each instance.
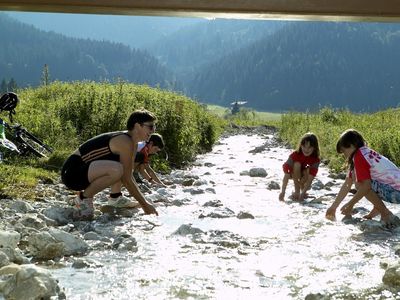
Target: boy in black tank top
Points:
(106, 159)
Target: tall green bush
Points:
(66, 114)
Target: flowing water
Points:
(287, 251)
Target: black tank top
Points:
(98, 148)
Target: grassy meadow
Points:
(246, 116)
(66, 114)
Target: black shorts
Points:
(74, 173)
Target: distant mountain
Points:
(25, 50)
(307, 64)
(192, 47)
(134, 31)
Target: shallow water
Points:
(288, 251)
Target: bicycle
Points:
(23, 142)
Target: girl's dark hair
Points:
(139, 116)
(313, 140)
(347, 139)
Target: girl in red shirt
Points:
(301, 166)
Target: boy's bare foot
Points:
(372, 214)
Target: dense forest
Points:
(307, 64)
(26, 50)
(274, 66)
(192, 47)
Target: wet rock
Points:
(74, 245)
(371, 226)
(208, 164)
(194, 191)
(200, 182)
(82, 263)
(180, 202)
(317, 185)
(392, 276)
(258, 149)
(317, 296)
(32, 220)
(186, 229)
(15, 255)
(188, 182)
(9, 239)
(341, 176)
(4, 261)
(273, 185)
(244, 215)
(213, 203)
(43, 246)
(210, 190)
(28, 282)
(258, 172)
(128, 244)
(21, 206)
(60, 215)
(219, 213)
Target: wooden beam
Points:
(330, 10)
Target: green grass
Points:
(64, 115)
(246, 116)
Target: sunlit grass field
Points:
(246, 116)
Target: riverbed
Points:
(223, 234)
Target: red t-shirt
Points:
(310, 162)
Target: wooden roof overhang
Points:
(325, 10)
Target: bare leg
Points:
(379, 206)
(372, 214)
(296, 180)
(102, 174)
(303, 180)
(116, 187)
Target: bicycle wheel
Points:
(30, 144)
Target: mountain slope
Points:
(194, 46)
(308, 64)
(134, 31)
(26, 50)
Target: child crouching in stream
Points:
(376, 178)
(301, 166)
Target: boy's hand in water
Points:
(331, 214)
(149, 209)
(347, 209)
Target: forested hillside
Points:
(307, 64)
(192, 47)
(133, 31)
(25, 50)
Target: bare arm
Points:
(344, 190)
(125, 148)
(284, 185)
(363, 189)
(153, 174)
